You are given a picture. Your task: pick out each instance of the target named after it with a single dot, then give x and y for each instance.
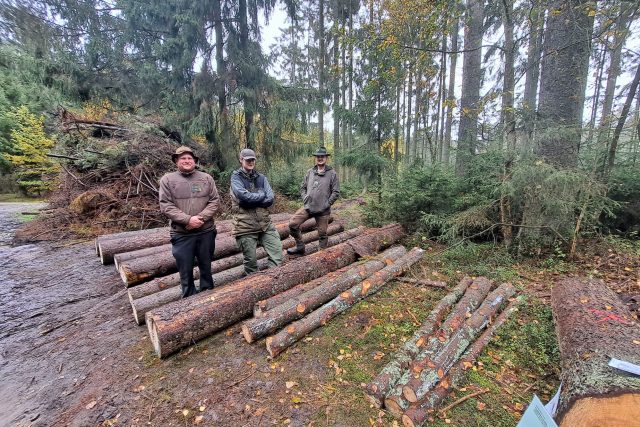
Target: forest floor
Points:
(71, 354)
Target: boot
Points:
(323, 242)
(297, 250)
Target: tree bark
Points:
(378, 388)
(138, 270)
(593, 325)
(284, 339)
(120, 235)
(160, 283)
(299, 307)
(418, 413)
(532, 74)
(417, 388)
(177, 325)
(451, 95)
(561, 80)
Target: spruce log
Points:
(419, 412)
(138, 270)
(143, 305)
(147, 303)
(160, 283)
(415, 383)
(378, 388)
(328, 289)
(593, 325)
(181, 323)
(284, 339)
(109, 245)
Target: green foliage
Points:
(285, 178)
(30, 145)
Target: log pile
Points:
(434, 359)
(181, 323)
(593, 325)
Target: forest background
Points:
(510, 121)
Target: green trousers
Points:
(269, 240)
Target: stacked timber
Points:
(277, 343)
(138, 270)
(593, 325)
(163, 290)
(181, 323)
(434, 359)
(109, 245)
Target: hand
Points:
(195, 222)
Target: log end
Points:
(104, 257)
(393, 407)
(409, 394)
(139, 317)
(273, 351)
(246, 332)
(618, 411)
(407, 421)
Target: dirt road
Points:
(71, 355)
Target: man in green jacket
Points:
(189, 198)
(251, 195)
(319, 190)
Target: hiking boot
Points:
(297, 250)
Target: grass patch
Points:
(17, 198)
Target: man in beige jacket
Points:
(189, 198)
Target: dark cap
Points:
(183, 150)
(321, 151)
(247, 153)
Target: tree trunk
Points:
(561, 87)
(451, 94)
(179, 324)
(378, 388)
(508, 85)
(284, 339)
(593, 325)
(470, 105)
(138, 270)
(161, 283)
(120, 235)
(532, 74)
(416, 388)
(623, 117)
(418, 413)
(321, 56)
(297, 308)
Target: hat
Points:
(321, 151)
(183, 150)
(247, 153)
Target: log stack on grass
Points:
(181, 323)
(593, 326)
(434, 359)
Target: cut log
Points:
(593, 325)
(279, 342)
(419, 412)
(160, 283)
(111, 244)
(137, 270)
(328, 289)
(181, 323)
(378, 388)
(154, 300)
(430, 366)
(145, 304)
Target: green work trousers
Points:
(269, 240)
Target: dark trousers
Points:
(186, 249)
(322, 222)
